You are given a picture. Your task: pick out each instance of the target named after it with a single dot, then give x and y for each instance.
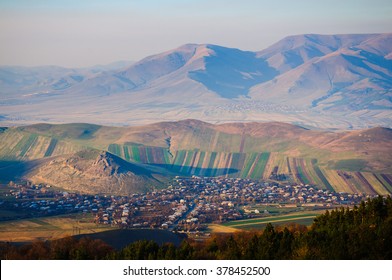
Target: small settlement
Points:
(188, 204)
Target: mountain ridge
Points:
(300, 79)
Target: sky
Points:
(82, 33)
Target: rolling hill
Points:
(87, 171)
(325, 81)
(94, 158)
(91, 171)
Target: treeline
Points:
(363, 232)
(68, 248)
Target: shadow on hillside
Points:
(224, 72)
(11, 170)
(197, 171)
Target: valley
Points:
(188, 176)
(192, 205)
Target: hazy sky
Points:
(78, 33)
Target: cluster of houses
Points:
(188, 204)
(42, 200)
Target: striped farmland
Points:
(255, 166)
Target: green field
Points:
(305, 218)
(324, 181)
(249, 162)
(52, 146)
(258, 170)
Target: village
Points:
(187, 204)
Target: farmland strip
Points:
(336, 182)
(265, 157)
(300, 175)
(190, 161)
(377, 186)
(126, 153)
(235, 161)
(223, 161)
(254, 163)
(305, 174)
(228, 164)
(387, 179)
(305, 220)
(30, 142)
(220, 164)
(178, 160)
(149, 155)
(195, 155)
(211, 168)
(282, 164)
(166, 154)
(143, 154)
(249, 165)
(260, 166)
(186, 165)
(199, 166)
(212, 160)
(135, 153)
(159, 155)
(365, 183)
(343, 175)
(269, 219)
(295, 171)
(270, 165)
(322, 178)
(288, 165)
(114, 149)
(50, 149)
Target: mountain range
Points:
(324, 81)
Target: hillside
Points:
(126, 159)
(86, 171)
(324, 81)
(96, 172)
